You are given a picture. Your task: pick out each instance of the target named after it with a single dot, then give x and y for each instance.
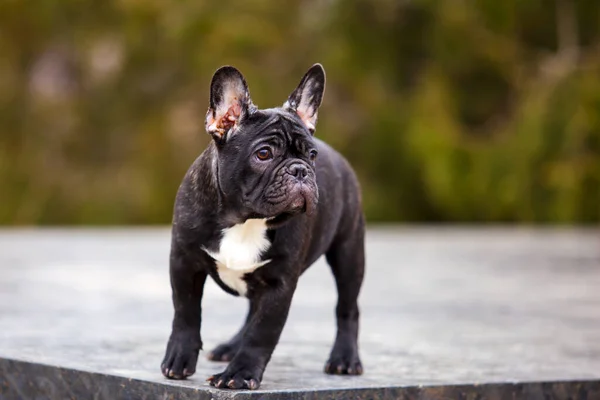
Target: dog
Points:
(261, 204)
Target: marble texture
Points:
(446, 312)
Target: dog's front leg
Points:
(272, 305)
(187, 283)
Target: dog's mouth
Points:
(280, 206)
(297, 206)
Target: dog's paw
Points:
(181, 355)
(223, 352)
(344, 363)
(236, 378)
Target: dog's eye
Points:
(313, 155)
(264, 154)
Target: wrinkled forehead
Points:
(277, 120)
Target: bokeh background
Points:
(450, 111)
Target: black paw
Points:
(181, 355)
(344, 363)
(236, 378)
(223, 352)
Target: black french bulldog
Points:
(254, 211)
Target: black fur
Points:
(314, 208)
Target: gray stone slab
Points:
(494, 312)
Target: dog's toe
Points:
(341, 366)
(235, 379)
(181, 356)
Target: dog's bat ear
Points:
(229, 102)
(306, 98)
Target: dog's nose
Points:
(299, 171)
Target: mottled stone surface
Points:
(499, 313)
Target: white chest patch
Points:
(239, 252)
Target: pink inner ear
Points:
(309, 120)
(233, 113)
(221, 123)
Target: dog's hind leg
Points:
(226, 351)
(346, 257)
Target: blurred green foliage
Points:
(464, 110)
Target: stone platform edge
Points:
(28, 380)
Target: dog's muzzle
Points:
(292, 191)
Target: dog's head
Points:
(266, 158)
